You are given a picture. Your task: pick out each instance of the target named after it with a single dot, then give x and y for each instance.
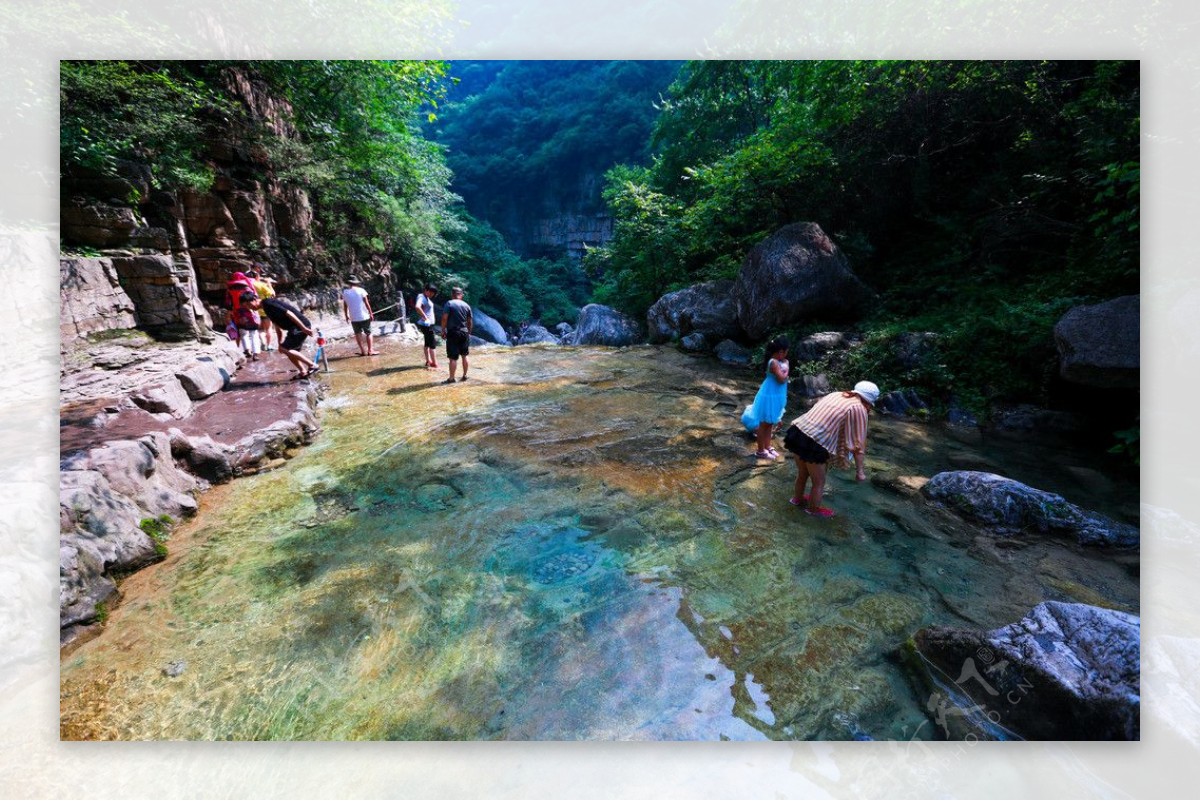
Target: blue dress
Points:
(768, 403)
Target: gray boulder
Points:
(731, 352)
(602, 325)
(1008, 507)
(796, 274)
(705, 308)
(694, 342)
(488, 328)
(813, 386)
(815, 346)
(202, 379)
(167, 398)
(1064, 672)
(914, 347)
(1099, 346)
(902, 403)
(562, 329)
(104, 495)
(536, 334)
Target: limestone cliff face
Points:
(165, 256)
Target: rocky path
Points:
(144, 427)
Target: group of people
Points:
(254, 311)
(833, 429)
(458, 323)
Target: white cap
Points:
(867, 391)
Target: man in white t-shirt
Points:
(425, 324)
(357, 308)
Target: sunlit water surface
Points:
(574, 544)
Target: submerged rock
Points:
(1010, 506)
(1064, 672)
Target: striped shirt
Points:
(837, 423)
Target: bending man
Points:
(298, 328)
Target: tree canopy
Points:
(980, 199)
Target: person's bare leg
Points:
(465, 365)
(358, 338)
(371, 344)
(817, 471)
(801, 480)
(763, 436)
(453, 368)
(301, 362)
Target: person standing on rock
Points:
(246, 319)
(426, 324)
(264, 288)
(297, 327)
(356, 305)
(831, 429)
(457, 325)
(762, 416)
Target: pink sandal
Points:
(820, 511)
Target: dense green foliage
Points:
(157, 113)
(510, 288)
(980, 199)
(524, 137)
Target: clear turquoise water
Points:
(573, 545)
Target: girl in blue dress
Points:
(761, 417)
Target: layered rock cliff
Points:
(138, 256)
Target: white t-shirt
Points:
(425, 307)
(356, 302)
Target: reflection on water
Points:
(573, 545)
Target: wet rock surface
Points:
(1066, 671)
(1010, 506)
(574, 545)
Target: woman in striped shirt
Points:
(834, 427)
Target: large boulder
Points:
(488, 328)
(705, 309)
(104, 495)
(91, 298)
(795, 275)
(1008, 507)
(1064, 672)
(1099, 345)
(602, 325)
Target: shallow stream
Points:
(574, 544)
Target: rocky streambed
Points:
(575, 544)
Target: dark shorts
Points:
(361, 326)
(804, 446)
(458, 343)
(294, 340)
(430, 339)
